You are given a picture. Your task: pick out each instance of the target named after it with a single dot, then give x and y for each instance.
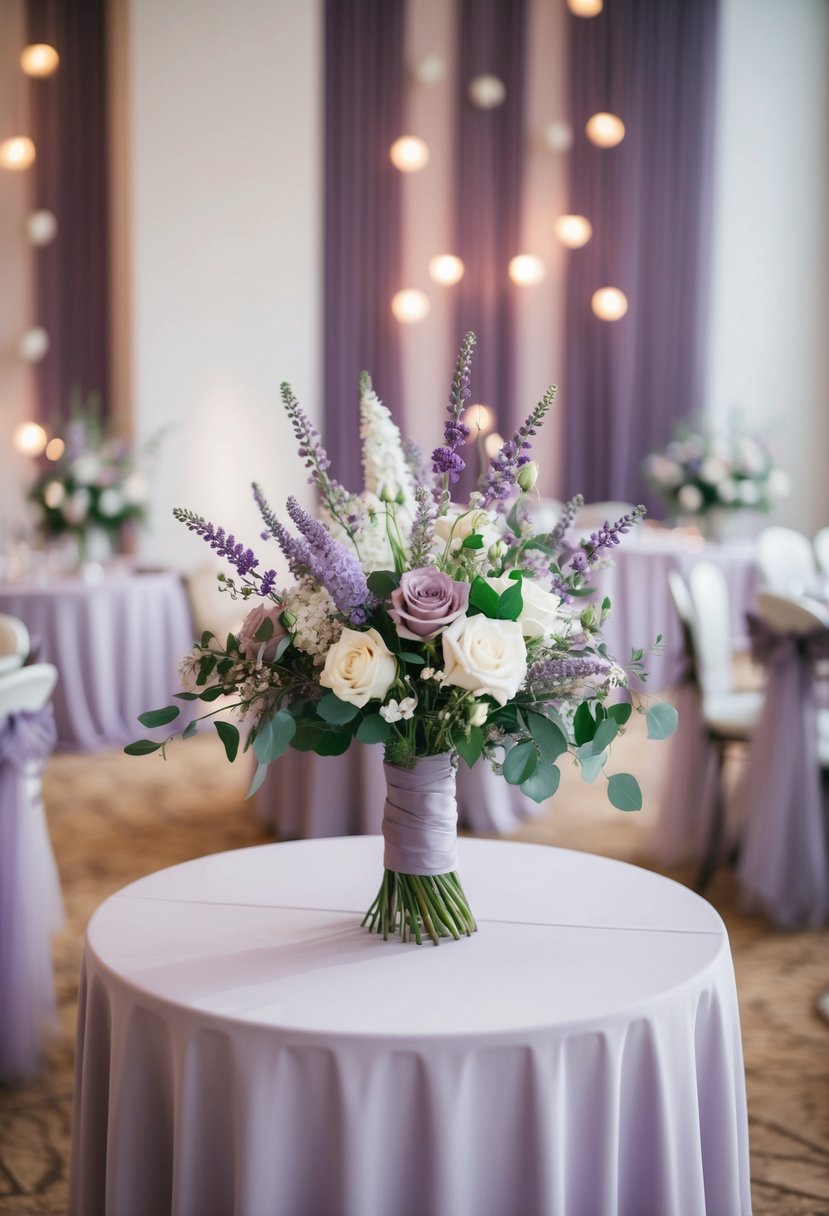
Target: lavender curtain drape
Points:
(71, 179)
(649, 201)
(487, 199)
(364, 95)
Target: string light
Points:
(487, 91)
(33, 344)
(605, 130)
(493, 444)
(429, 69)
(526, 269)
(39, 59)
(585, 8)
(558, 135)
(17, 153)
(609, 303)
(410, 306)
(573, 230)
(446, 269)
(55, 449)
(409, 154)
(29, 438)
(480, 419)
(41, 227)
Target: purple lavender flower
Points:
(500, 481)
(445, 460)
(336, 498)
(268, 582)
(564, 671)
(334, 566)
(422, 534)
(225, 545)
(606, 538)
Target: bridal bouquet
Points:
(703, 469)
(437, 629)
(95, 484)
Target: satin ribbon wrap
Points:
(26, 736)
(783, 863)
(420, 817)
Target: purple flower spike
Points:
(334, 566)
(564, 671)
(225, 545)
(445, 460)
(499, 482)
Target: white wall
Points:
(218, 190)
(770, 317)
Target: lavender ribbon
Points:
(27, 735)
(770, 646)
(420, 817)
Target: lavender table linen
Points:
(783, 865)
(307, 796)
(637, 584)
(244, 1046)
(116, 643)
(31, 908)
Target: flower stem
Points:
(414, 904)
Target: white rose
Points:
(461, 522)
(484, 656)
(87, 469)
(359, 667)
(713, 470)
(689, 498)
(540, 615)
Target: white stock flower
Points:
(485, 657)
(359, 667)
(689, 498)
(384, 466)
(540, 616)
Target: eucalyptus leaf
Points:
(331, 709)
(591, 766)
(229, 735)
(373, 729)
(273, 737)
(409, 656)
(520, 762)
(186, 696)
(258, 778)
(265, 631)
(584, 724)
(159, 717)
(212, 694)
(606, 732)
(281, 646)
(624, 792)
(190, 729)
(333, 743)
(542, 784)
(469, 747)
(141, 747)
(620, 713)
(662, 720)
(551, 742)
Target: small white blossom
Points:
(479, 714)
(386, 473)
(395, 711)
(316, 626)
(617, 677)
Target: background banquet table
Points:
(243, 1045)
(116, 643)
(637, 584)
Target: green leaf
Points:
(333, 743)
(555, 717)
(469, 747)
(212, 694)
(273, 737)
(510, 603)
(473, 541)
(206, 665)
(206, 638)
(331, 709)
(483, 597)
(306, 738)
(258, 778)
(382, 582)
(409, 656)
(551, 742)
(190, 729)
(620, 713)
(159, 717)
(281, 646)
(141, 747)
(232, 643)
(662, 720)
(265, 631)
(186, 696)
(624, 792)
(543, 783)
(584, 724)
(606, 732)
(229, 736)
(373, 729)
(520, 762)
(591, 766)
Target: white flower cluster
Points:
(396, 711)
(699, 471)
(386, 473)
(315, 625)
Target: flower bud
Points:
(479, 713)
(528, 476)
(588, 617)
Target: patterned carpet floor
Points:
(113, 819)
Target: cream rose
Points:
(540, 615)
(359, 667)
(460, 522)
(484, 656)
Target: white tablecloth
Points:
(116, 644)
(245, 1047)
(637, 584)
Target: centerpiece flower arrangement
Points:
(703, 470)
(95, 486)
(439, 630)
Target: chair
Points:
(821, 548)
(784, 861)
(30, 900)
(716, 715)
(786, 560)
(14, 643)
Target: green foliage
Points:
(624, 792)
(229, 736)
(273, 737)
(159, 717)
(520, 762)
(543, 783)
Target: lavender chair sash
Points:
(420, 817)
(30, 903)
(783, 863)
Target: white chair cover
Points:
(821, 547)
(30, 901)
(14, 643)
(786, 560)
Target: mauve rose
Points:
(252, 624)
(426, 601)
